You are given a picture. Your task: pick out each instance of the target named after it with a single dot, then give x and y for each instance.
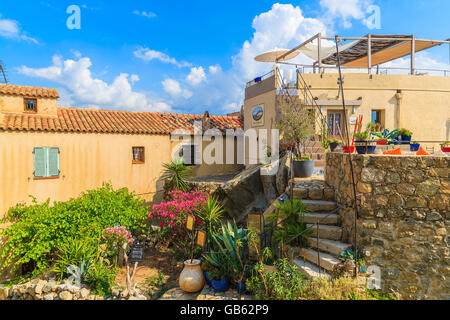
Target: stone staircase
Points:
(320, 199)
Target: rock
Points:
(406, 189)
(429, 187)
(50, 296)
(4, 293)
(364, 187)
(416, 202)
(65, 295)
(49, 286)
(281, 178)
(268, 182)
(115, 292)
(40, 286)
(124, 294)
(372, 175)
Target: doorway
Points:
(335, 123)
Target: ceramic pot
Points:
(382, 142)
(414, 147)
(333, 146)
(207, 278)
(303, 169)
(240, 287)
(220, 285)
(346, 149)
(365, 146)
(191, 278)
(406, 138)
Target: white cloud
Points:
(345, 10)
(173, 88)
(148, 55)
(82, 89)
(214, 69)
(11, 29)
(196, 76)
(145, 14)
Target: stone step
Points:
(310, 270)
(320, 205)
(327, 232)
(322, 218)
(312, 193)
(327, 261)
(330, 246)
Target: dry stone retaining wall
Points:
(404, 211)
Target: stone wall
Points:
(404, 211)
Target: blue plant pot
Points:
(414, 147)
(207, 278)
(220, 285)
(406, 138)
(241, 287)
(365, 147)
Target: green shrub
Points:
(39, 230)
(284, 283)
(100, 279)
(362, 136)
(405, 132)
(75, 252)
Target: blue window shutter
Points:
(53, 162)
(40, 161)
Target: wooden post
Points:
(413, 54)
(369, 53)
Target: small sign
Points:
(258, 116)
(201, 238)
(190, 222)
(137, 253)
(353, 121)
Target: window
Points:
(378, 118)
(138, 155)
(30, 105)
(46, 163)
(188, 153)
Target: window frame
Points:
(193, 146)
(25, 105)
(142, 153)
(46, 163)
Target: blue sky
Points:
(184, 56)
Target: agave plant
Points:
(176, 174)
(228, 253)
(386, 134)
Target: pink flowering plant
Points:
(171, 216)
(116, 237)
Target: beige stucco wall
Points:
(86, 161)
(15, 104)
(425, 107)
(268, 99)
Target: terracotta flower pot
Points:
(191, 278)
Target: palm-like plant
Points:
(211, 214)
(290, 217)
(176, 174)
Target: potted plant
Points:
(363, 144)
(296, 126)
(406, 135)
(414, 146)
(445, 147)
(334, 143)
(385, 136)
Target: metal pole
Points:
(341, 84)
(413, 54)
(319, 51)
(369, 53)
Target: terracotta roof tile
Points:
(104, 121)
(30, 92)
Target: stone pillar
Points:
(399, 97)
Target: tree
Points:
(296, 125)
